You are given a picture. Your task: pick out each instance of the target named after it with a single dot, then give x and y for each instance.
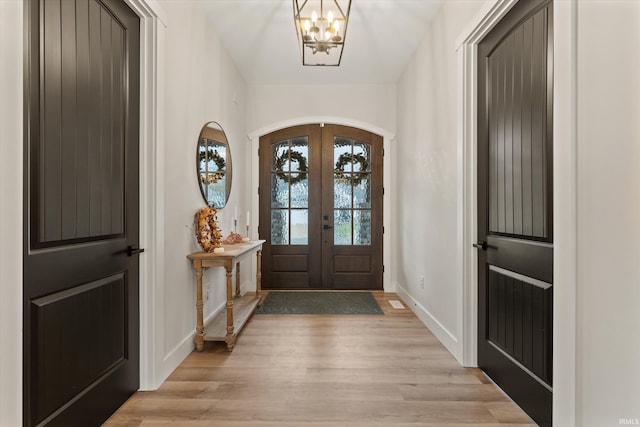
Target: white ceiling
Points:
(261, 38)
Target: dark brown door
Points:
(81, 321)
(321, 208)
(515, 212)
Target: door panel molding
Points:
(507, 252)
(521, 366)
(522, 278)
(105, 317)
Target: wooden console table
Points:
(227, 325)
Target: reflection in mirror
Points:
(213, 163)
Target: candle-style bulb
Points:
(314, 17)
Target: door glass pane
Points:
(361, 157)
(290, 189)
(299, 227)
(362, 227)
(300, 191)
(299, 154)
(352, 192)
(362, 190)
(279, 156)
(342, 227)
(341, 191)
(342, 153)
(279, 190)
(280, 227)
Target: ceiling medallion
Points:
(321, 28)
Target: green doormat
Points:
(319, 303)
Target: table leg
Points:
(230, 338)
(237, 279)
(259, 276)
(199, 338)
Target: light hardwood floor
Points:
(325, 370)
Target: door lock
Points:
(326, 227)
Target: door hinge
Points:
(383, 191)
(383, 152)
(383, 268)
(258, 152)
(382, 230)
(258, 190)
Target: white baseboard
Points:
(447, 339)
(176, 356)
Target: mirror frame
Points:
(228, 171)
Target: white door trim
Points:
(487, 18)
(564, 186)
(11, 212)
(388, 210)
(153, 22)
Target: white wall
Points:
(202, 84)
(11, 56)
(372, 104)
(427, 178)
(272, 104)
(608, 226)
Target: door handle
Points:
(326, 227)
(482, 246)
(131, 250)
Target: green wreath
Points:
(346, 158)
(212, 154)
(282, 159)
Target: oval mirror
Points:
(213, 164)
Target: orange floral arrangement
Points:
(233, 238)
(207, 232)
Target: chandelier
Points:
(321, 28)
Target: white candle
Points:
(218, 250)
(235, 212)
(248, 217)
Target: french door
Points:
(515, 206)
(321, 208)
